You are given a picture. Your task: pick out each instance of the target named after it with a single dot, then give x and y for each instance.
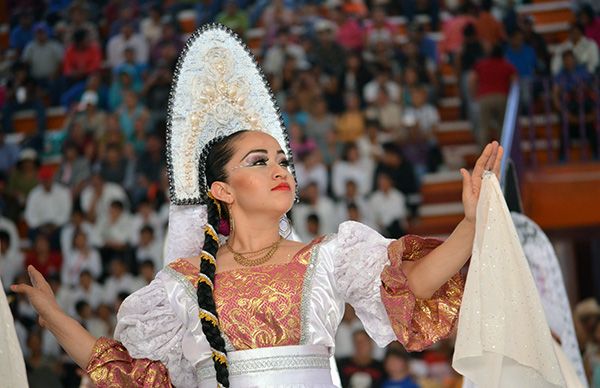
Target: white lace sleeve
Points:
(149, 327)
(359, 256)
(185, 235)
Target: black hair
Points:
(80, 305)
(348, 146)
(118, 204)
(220, 152)
(497, 51)
(148, 229)
(4, 236)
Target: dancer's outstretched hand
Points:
(490, 160)
(40, 295)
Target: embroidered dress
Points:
(278, 320)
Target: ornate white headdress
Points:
(218, 89)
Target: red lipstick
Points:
(282, 186)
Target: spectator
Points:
(283, 46)
(9, 205)
(452, 31)
(382, 81)
(352, 198)
(167, 48)
(44, 57)
(22, 33)
(361, 370)
(82, 58)
(89, 115)
(350, 33)
(326, 53)
(471, 52)
(491, 79)
(388, 207)
(538, 43)
(489, 29)
(591, 23)
(350, 324)
(95, 326)
(120, 280)
(369, 145)
(399, 170)
(115, 166)
(149, 246)
(352, 167)
(89, 290)
(350, 125)
(127, 38)
(522, 57)
(584, 49)
(156, 94)
(355, 76)
(25, 177)
(43, 258)
(429, 7)
(48, 206)
(11, 258)
(313, 227)
(151, 25)
(41, 369)
(114, 231)
(147, 271)
(148, 168)
(300, 143)
(572, 96)
(97, 197)
(310, 168)
(387, 113)
(427, 47)
(293, 112)
(79, 257)
(9, 154)
(314, 203)
(78, 19)
(120, 87)
(234, 17)
(74, 170)
(77, 223)
(396, 365)
(380, 30)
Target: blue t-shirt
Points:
(407, 382)
(523, 59)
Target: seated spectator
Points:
(87, 318)
(350, 125)
(132, 66)
(313, 227)
(396, 366)
(571, 84)
(115, 167)
(283, 47)
(492, 78)
(114, 231)
(471, 52)
(48, 207)
(97, 197)
(156, 94)
(43, 258)
(21, 94)
(310, 168)
(387, 113)
(148, 168)
(11, 258)
(145, 215)
(585, 50)
(147, 271)
(399, 170)
(78, 18)
(314, 203)
(234, 17)
(380, 30)
(590, 22)
(77, 223)
(74, 170)
(129, 111)
(300, 142)
(44, 57)
(361, 370)
(382, 80)
(350, 33)
(351, 167)
(9, 154)
(25, 177)
(149, 247)
(355, 76)
(151, 25)
(122, 83)
(410, 56)
(41, 369)
(127, 38)
(82, 58)
(120, 280)
(89, 115)
(537, 42)
(21, 34)
(369, 145)
(326, 53)
(89, 290)
(353, 206)
(81, 256)
(167, 49)
(293, 112)
(388, 208)
(344, 347)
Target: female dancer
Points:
(253, 308)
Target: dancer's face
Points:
(259, 178)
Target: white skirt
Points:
(301, 366)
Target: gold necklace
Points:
(241, 259)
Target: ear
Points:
(222, 192)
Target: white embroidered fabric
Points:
(551, 288)
(185, 235)
(160, 321)
(12, 365)
(503, 339)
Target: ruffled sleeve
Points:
(368, 275)
(148, 329)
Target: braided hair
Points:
(219, 154)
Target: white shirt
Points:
(387, 208)
(114, 286)
(110, 192)
(275, 57)
(94, 296)
(371, 90)
(116, 48)
(426, 116)
(317, 174)
(118, 231)
(360, 172)
(11, 264)
(152, 251)
(75, 262)
(138, 222)
(48, 207)
(68, 231)
(326, 211)
(586, 53)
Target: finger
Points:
(21, 289)
(467, 186)
(498, 162)
(481, 161)
(37, 280)
(489, 164)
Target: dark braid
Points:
(219, 155)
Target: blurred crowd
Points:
(358, 83)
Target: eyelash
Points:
(263, 161)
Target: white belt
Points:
(274, 366)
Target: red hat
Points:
(45, 173)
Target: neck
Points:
(253, 232)
(398, 375)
